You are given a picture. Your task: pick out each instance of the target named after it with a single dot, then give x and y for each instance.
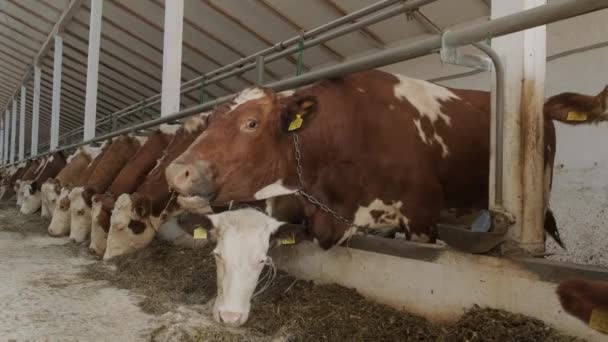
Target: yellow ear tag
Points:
(577, 116)
(296, 123)
(291, 240)
(599, 320)
(200, 234)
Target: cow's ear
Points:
(141, 205)
(298, 111)
(87, 196)
(289, 234)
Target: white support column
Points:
(56, 105)
(22, 124)
(90, 106)
(36, 110)
(14, 132)
(524, 55)
(2, 142)
(172, 56)
(7, 131)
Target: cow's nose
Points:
(50, 232)
(72, 240)
(230, 317)
(92, 251)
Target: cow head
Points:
(19, 191)
(101, 212)
(49, 192)
(31, 200)
(243, 238)
(131, 225)
(80, 214)
(60, 222)
(242, 154)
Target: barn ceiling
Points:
(216, 32)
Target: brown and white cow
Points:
(586, 300)
(60, 221)
(576, 109)
(112, 161)
(30, 173)
(137, 217)
(67, 177)
(127, 181)
(377, 148)
(32, 200)
(11, 174)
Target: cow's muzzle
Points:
(192, 179)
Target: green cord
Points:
(300, 60)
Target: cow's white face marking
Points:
(80, 214)
(169, 129)
(49, 198)
(121, 239)
(249, 94)
(379, 214)
(273, 190)
(30, 203)
(60, 222)
(240, 256)
(427, 98)
(99, 236)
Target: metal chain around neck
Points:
(309, 197)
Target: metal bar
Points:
(90, 106)
(6, 135)
(36, 110)
(13, 131)
(22, 124)
(56, 105)
(259, 78)
(512, 23)
(172, 56)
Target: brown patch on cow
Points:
(107, 202)
(141, 205)
(137, 227)
(376, 214)
(72, 172)
(51, 169)
(87, 196)
(64, 204)
(576, 109)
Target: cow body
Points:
(380, 149)
(32, 199)
(110, 164)
(61, 219)
(136, 217)
(127, 181)
(77, 163)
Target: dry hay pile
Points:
(11, 220)
(296, 310)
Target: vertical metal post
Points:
(7, 132)
(259, 70)
(22, 124)
(90, 106)
(14, 131)
(172, 57)
(56, 105)
(2, 141)
(524, 196)
(36, 110)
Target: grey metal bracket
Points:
(451, 55)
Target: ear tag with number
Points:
(200, 234)
(291, 240)
(296, 123)
(577, 116)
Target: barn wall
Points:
(585, 72)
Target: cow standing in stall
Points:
(31, 195)
(378, 149)
(61, 219)
(77, 163)
(127, 181)
(112, 161)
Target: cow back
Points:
(86, 174)
(52, 166)
(112, 162)
(30, 173)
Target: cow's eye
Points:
(252, 124)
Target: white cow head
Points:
(50, 192)
(243, 239)
(19, 191)
(31, 199)
(130, 228)
(60, 223)
(80, 216)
